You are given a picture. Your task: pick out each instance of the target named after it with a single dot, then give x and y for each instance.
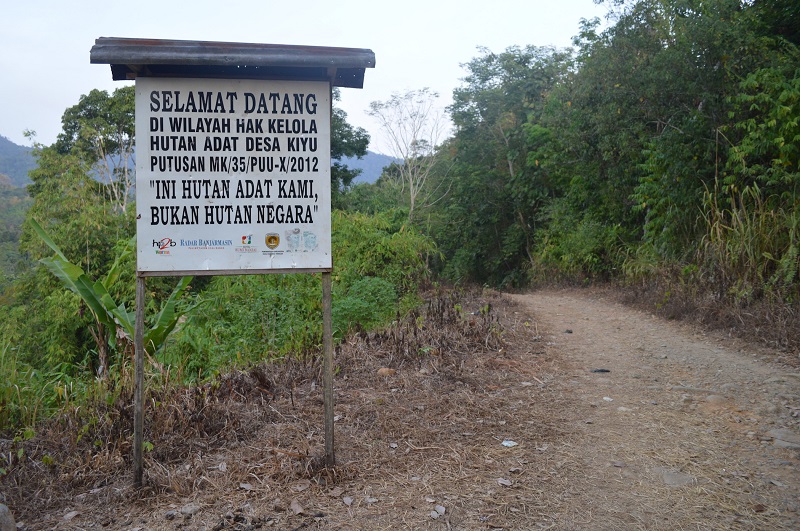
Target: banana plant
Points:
(113, 322)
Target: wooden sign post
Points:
(232, 168)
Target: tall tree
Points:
(100, 131)
(83, 183)
(645, 108)
(413, 128)
(501, 177)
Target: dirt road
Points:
(677, 429)
(550, 410)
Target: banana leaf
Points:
(102, 305)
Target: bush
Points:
(380, 246)
(378, 266)
(370, 302)
(576, 246)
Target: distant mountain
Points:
(371, 166)
(15, 162)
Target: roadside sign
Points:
(232, 176)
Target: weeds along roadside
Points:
(86, 447)
(743, 279)
(52, 411)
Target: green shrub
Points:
(575, 246)
(378, 266)
(380, 246)
(370, 302)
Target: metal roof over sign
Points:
(131, 58)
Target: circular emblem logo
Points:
(272, 240)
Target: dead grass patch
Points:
(250, 443)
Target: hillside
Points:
(371, 166)
(15, 162)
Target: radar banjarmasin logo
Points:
(206, 244)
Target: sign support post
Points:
(327, 367)
(138, 391)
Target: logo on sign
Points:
(246, 247)
(163, 245)
(272, 240)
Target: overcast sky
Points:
(45, 44)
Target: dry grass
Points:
(773, 323)
(246, 450)
(429, 430)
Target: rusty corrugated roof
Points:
(131, 58)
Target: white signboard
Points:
(232, 175)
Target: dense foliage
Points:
(14, 202)
(670, 137)
(664, 144)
